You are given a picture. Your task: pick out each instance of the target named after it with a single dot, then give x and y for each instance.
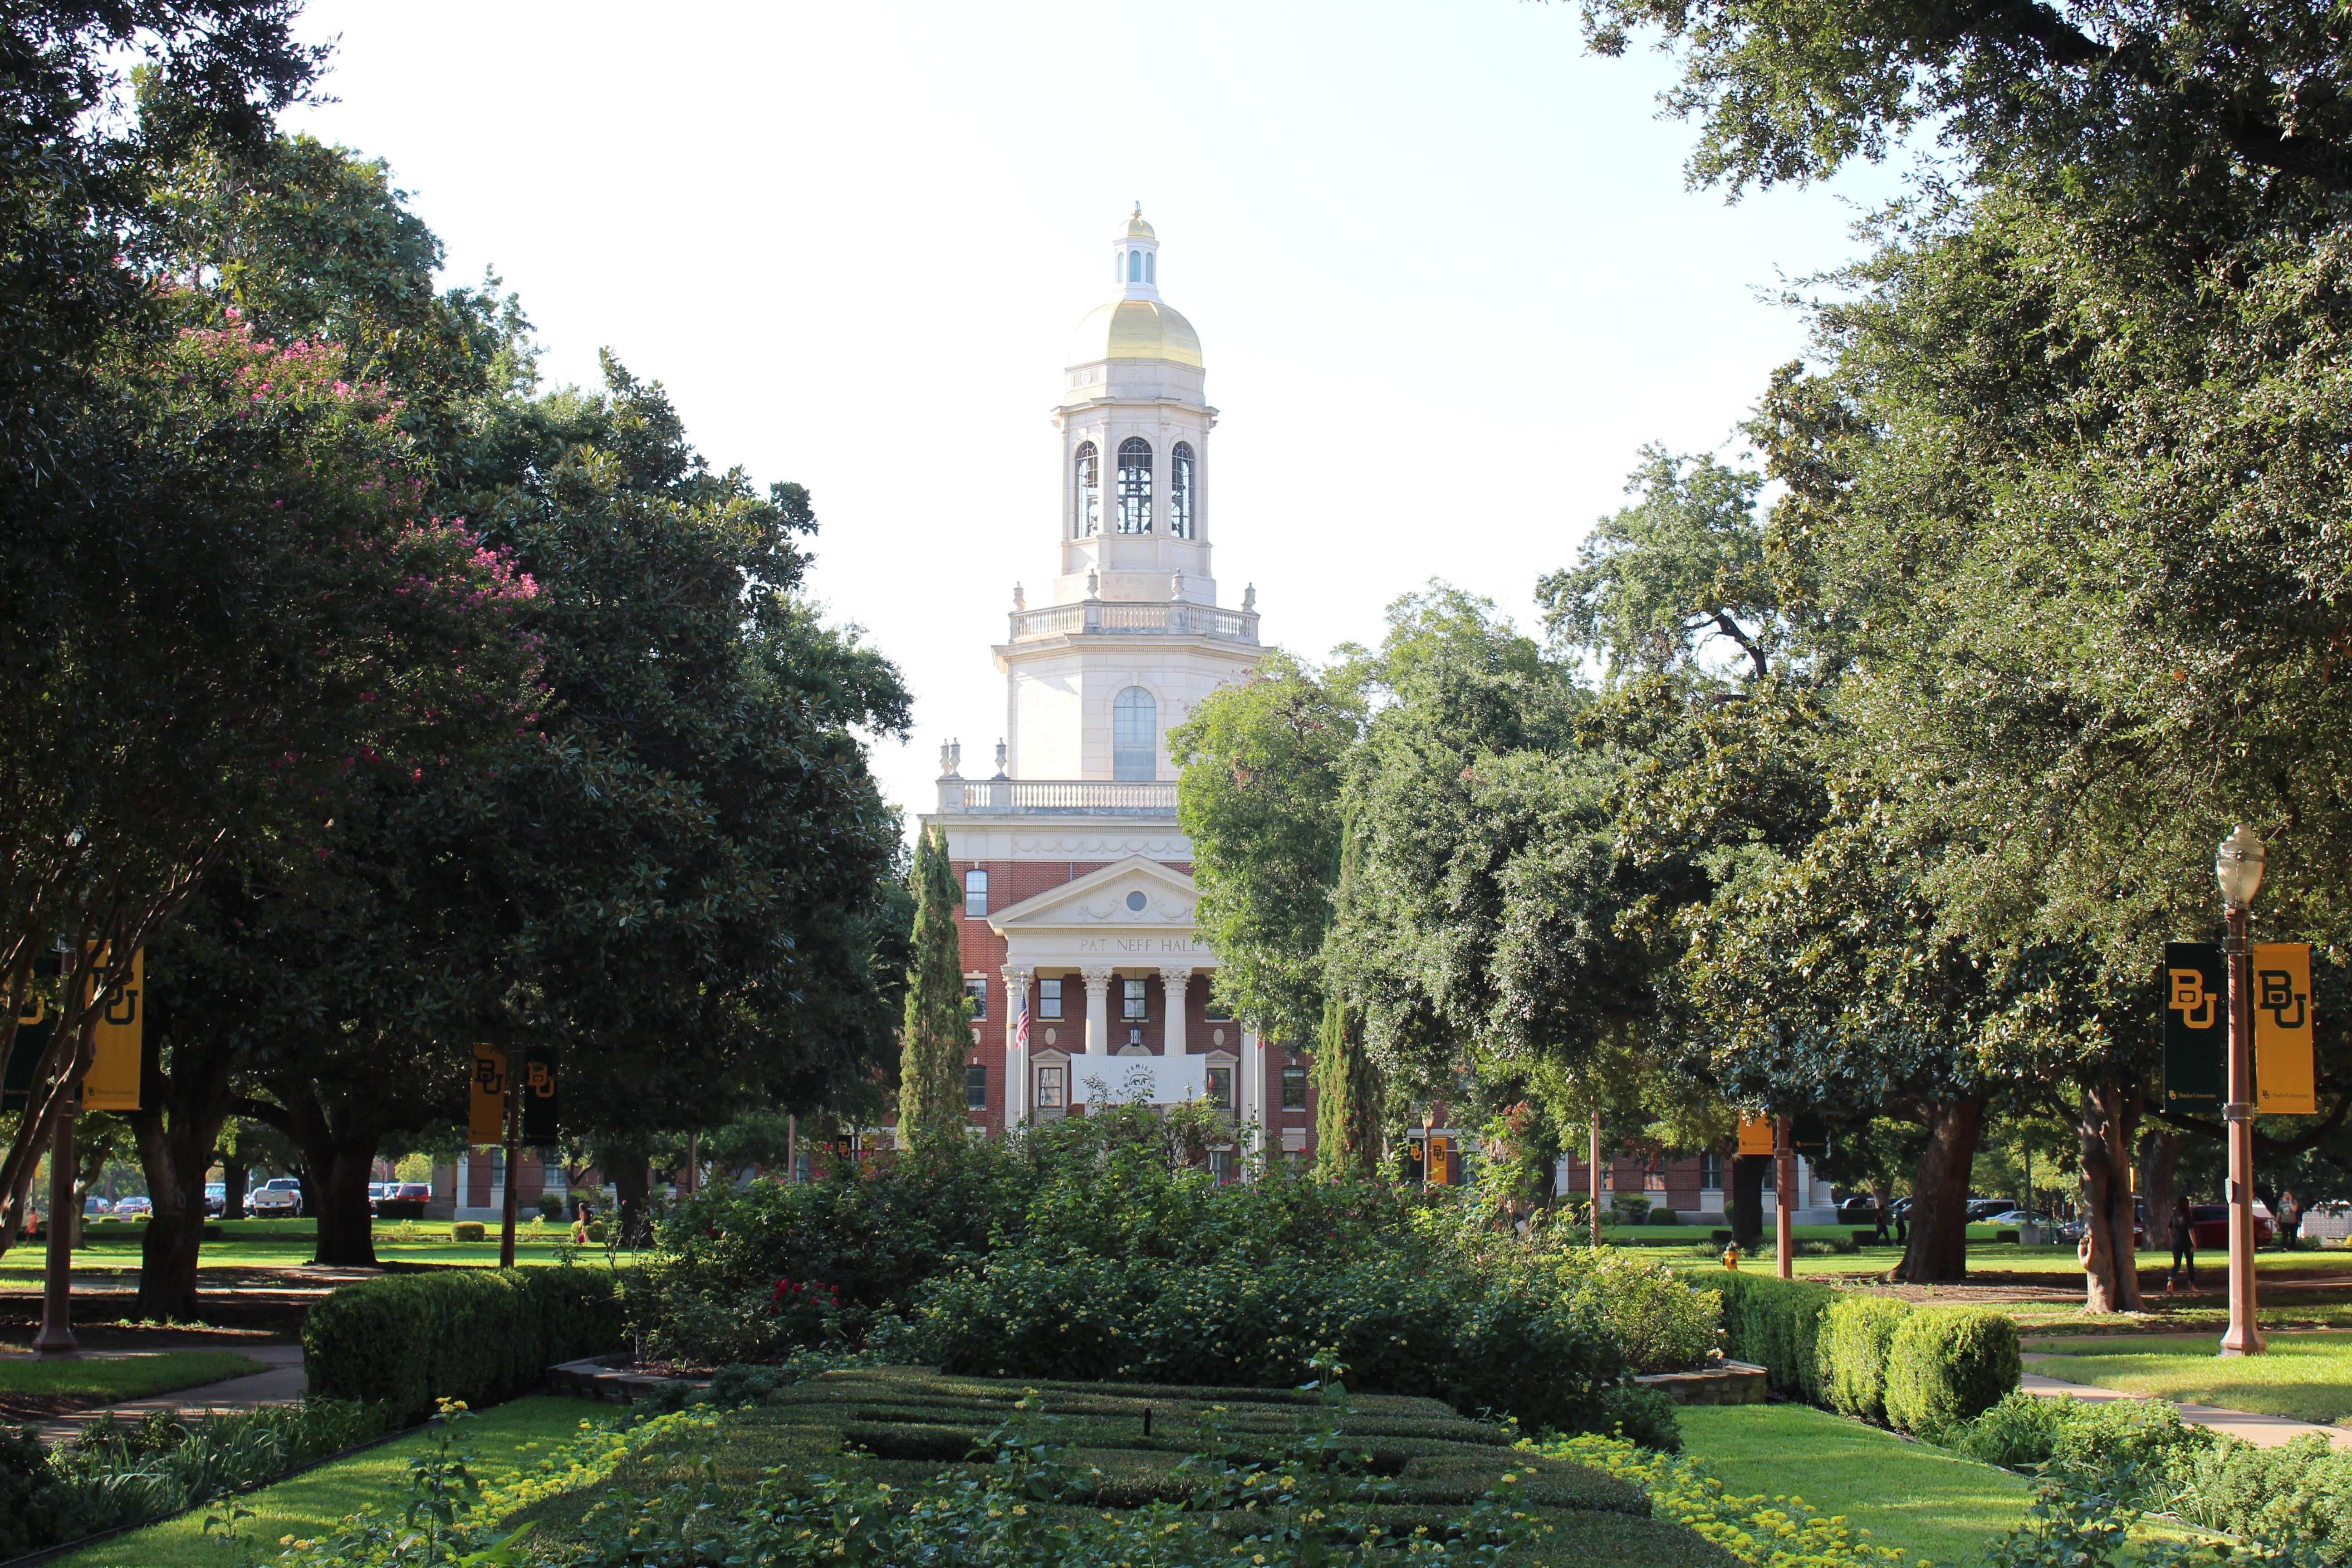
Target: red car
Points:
(2210, 1223)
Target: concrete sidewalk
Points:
(2261, 1431)
(283, 1383)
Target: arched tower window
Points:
(1151, 268)
(1180, 490)
(1089, 519)
(1135, 266)
(1134, 735)
(1135, 485)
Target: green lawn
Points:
(2306, 1377)
(310, 1503)
(118, 1378)
(1942, 1509)
(105, 1254)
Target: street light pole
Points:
(2237, 867)
(1784, 1193)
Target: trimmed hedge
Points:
(481, 1335)
(469, 1230)
(1948, 1364)
(1917, 1369)
(1776, 1323)
(1857, 1333)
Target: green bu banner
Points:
(2196, 1027)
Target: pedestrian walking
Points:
(2183, 1230)
(1878, 1235)
(2290, 1219)
(579, 1228)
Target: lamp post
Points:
(2237, 867)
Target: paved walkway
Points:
(282, 1385)
(2261, 1431)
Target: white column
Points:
(1252, 1055)
(1174, 983)
(1095, 1062)
(1016, 1055)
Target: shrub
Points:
(467, 1230)
(1659, 1320)
(1403, 1324)
(1856, 1332)
(2299, 1492)
(1664, 1216)
(1776, 1323)
(36, 1508)
(2108, 1437)
(550, 1205)
(478, 1335)
(1629, 1209)
(1948, 1364)
(598, 1232)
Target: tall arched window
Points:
(1150, 270)
(1135, 485)
(1089, 519)
(1180, 491)
(1135, 266)
(1134, 735)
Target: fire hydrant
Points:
(1731, 1258)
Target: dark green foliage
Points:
(932, 1040)
(2300, 1491)
(1776, 1324)
(1856, 1334)
(474, 1334)
(1948, 1364)
(36, 1508)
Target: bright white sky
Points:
(1445, 272)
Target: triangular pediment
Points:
(1136, 891)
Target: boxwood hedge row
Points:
(481, 1335)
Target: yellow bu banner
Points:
(2283, 1082)
(486, 1119)
(113, 1081)
(1755, 1135)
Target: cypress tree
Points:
(1347, 1083)
(937, 1032)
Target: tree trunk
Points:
(2108, 1118)
(338, 1153)
(235, 1179)
(1937, 1252)
(1747, 1173)
(2159, 1175)
(178, 1124)
(633, 1183)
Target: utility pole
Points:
(1594, 1176)
(2238, 866)
(1784, 1193)
(56, 1338)
(514, 1164)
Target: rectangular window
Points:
(1710, 1170)
(1294, 1088)
(975, 895)
(975, 1088)
(976, 987)
(1049, 1089)
(1221, 1164)
(1049, 999)
(1134, 1008)
(1220, 1088)
(1215, 1011)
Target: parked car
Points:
(2211, 1224)
(137, 1203)
(378, 1192)
(95, 1207)
(2073, 1231)
(215, 1199)
(1861, 1208)
(279, 1195)
(420, 1191)
(1984, 1209)
(2019, 1217)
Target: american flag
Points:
(1021, 1025)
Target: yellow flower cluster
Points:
(1770, 1532)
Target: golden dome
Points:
(1135, 329)
(1137, 229)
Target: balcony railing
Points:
(1074, 797)
(1118, 617)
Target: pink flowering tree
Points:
(249, 610)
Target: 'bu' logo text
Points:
(2191, 999)
(2275, 994)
